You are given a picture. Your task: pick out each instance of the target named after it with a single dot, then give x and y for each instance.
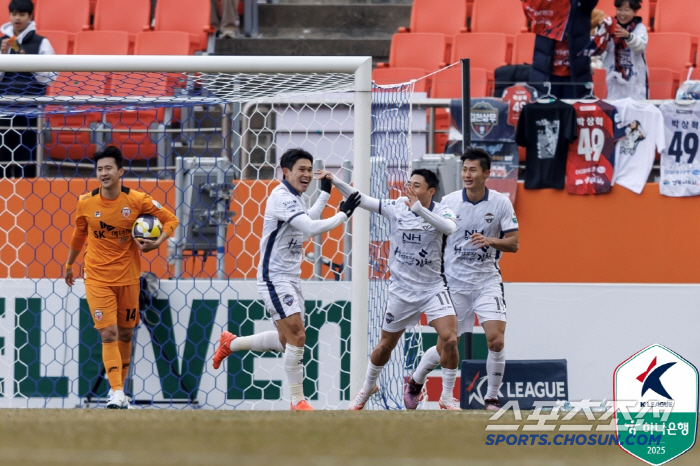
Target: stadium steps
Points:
(330, 27)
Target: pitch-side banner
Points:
(524, 381)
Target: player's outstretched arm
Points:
(311, 227)
(366, 202)
(444, 222)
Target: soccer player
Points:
(286, 224)
(418, 230)
(112, 269)
(487, 226)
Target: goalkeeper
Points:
(104, 217)
(286, 224)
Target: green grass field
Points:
(167, 437)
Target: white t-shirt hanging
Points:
(634, 154)
(680, 161)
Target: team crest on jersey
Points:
(288, 299)
(126, 212)
(426, 226)
(98, 315)
(483, 118)
(389, 317)
(489, 217)
(97, 214)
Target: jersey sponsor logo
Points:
(294, 247)
(389, 317)
(489, 217)
(291, 205)
(411, 238)
(156, 203)
(98, 214)
(469, 233)
(634, 134)
(484, 117)
(515, 219)
(104, 226)
(288, 300)
(447, 214)
(98, 315)
(472, 255)
(126, 212)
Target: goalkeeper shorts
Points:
(110, 305)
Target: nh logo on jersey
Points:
(665, 387)
(126, 212)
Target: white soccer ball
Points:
(147, 227)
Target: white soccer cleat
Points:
(451, 404)
(118, 400)
(361, 399)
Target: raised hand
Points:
(349, 205)
(326, 178)
(411, 195)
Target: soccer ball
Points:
(147, 227)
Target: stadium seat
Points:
(71, 16)
(608, 6)
(101, 43)
(447, 84)
(190, 16)
(162, 43)
(388, 76)
(424, 50)
(523, 48)
(425, 17)
(673, 17)
(663, 83)
(505, 16)
(674, 50)
(486, 50)
(58, 39)
(600, 86)
(132, 16)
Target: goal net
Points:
(202, 135)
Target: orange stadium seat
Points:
(600, 86)
(71, 16)
(486, 50)
(663, 83)
(608, 6)
(674, 50)
(132, 16)
(425, 50)
(162, 43)
(674, 16)
(388, 76)
(58, 39)
(101, 43)
(523, 48)
(190, 16)
(504, 16)
(425, 17)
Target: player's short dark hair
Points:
(290, 157)
(109, 151)
(477, 153)
(23, 6)
(431, 179)
(635, 5)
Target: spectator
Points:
(228, 23)
(19, 140)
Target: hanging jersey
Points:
(466, 267)
(634, 154)
(281, 248)
(415, 259)
(680, 161)
(489, 121)
(589, 165)
(517, 96)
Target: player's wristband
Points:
(69, 266)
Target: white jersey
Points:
(415, 259)
(466, 267)
(680, 161)
(634, 154)
(281, 248)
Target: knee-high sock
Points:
(448, 382)
(125, 352)
(427, 364)
(113, 365)
(265, 341)
(294, 367)
(371, 378)
(495, 367)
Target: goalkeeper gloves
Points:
(349, 205)
(326, 185)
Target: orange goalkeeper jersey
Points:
(112, 257)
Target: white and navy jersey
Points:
(680, 161)
(281, 247)
(415, 258)
(467, 267)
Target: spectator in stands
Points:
(19, 139)
(228, 22)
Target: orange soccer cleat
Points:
(301, 406)
(224, 349)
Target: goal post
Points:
(37, 368)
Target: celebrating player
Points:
(286, 224)
(487, 226)
(112, 272)
(418, 229)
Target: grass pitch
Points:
(75, 437)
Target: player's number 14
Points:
(590, 143)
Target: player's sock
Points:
(495, 366)
(371, 378)
(125, 353)
(265, 341)
(294, 367)
(113, 365)
(427, 364)
(448, 382)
